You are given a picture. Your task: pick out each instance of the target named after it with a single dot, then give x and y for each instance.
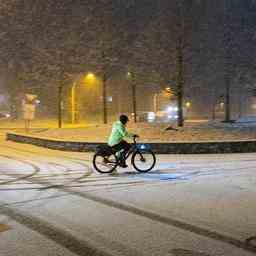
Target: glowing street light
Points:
(130, 77)
(73, 103)
(168, 91)
(90, 76)
(188, 104)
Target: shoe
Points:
(123, 165)
(114, 173)
(105, 160)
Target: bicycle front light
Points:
(143, 146)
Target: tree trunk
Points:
(60, 106)
(240, 106)
(73, 103)
(214, 104)
(180, 82)
(104, 98)
(134, 102)
(227, 99)
(227, 68)
(13, 107)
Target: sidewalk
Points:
(192, 132)
(36, 124)
(194, 138)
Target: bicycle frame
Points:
(132, 150)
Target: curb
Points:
(209, 147)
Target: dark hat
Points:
(123, 119)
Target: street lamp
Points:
(90, 77)
(73, 103)
(165, 92)
(188, 104)
(168, 91)
(134, 102)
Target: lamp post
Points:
(73, 103)
(89, 78)
(104, 98)
(188, 106)
(155, 102)
(134, 101)
(60, 104)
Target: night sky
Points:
(45, 42)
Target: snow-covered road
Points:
(53, 203)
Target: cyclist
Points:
(116, 139)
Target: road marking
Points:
(182, 252)
(251, 241)
(4, 227)
(165, 176)
(63, 237)
(155, 217)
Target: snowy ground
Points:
(53, 203)
(192, 131)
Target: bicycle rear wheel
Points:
(143, 160)
(105, 164)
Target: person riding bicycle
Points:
(116, 138)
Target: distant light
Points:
(90, 76)
(222, 104)
(170, 109)
(37, 102)
(188, 104)
(151, 116)
(172, 116)
(142, 146)
(89, 79)
(7, 115)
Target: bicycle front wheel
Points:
(143, 160)
(105, 164)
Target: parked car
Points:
(144, 116)
(4, 115)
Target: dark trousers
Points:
(123, 145)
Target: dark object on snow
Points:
(170, 128)
(104, 150)
(251, 241)
(4, 115)
(183, 252)
(229, 122)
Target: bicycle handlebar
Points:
(135, 139)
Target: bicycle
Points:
(106, 160)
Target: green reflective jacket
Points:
(118, 134)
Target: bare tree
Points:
(171, 35)
(109, 48)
